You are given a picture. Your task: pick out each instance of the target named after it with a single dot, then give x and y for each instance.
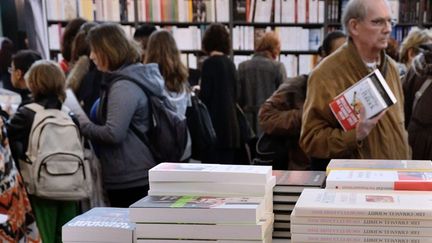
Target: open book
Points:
(372, 92)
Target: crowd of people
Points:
(100, 61)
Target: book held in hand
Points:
(372, 92)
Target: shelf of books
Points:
(308, 20)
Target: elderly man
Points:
(368, 25)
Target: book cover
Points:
(256, 231)
(360, 221)
(332, 238)
(372, 92)
(379, 180)
(375, 164)
(299, 178)
(365, 204)
(100, 225)
(189, 209)
(242, 174)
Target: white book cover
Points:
(376, 164)
(263, 10)
(256, 231)
(222, 11)
(371, 91)
(379, 180)
(365, 203)
(100, 225)
(332, 238)
(359, 221)
(321, 10)
(361, 230)
(189, 188)
(288, 11)
(301, 11)
(189, 209)
(313, 11)
(242, 174)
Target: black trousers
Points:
(123, 198)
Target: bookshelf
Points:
(307, 20)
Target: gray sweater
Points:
(124, 157)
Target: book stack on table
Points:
(368, 201)
(331, 215)
(206, 202)
(289, 185)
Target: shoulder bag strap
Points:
(420, 92)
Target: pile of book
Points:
(331, 215)
(101, 225)
(368, 201)
(289, 185)
(206, 202)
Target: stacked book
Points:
(289, 185)
(332, 215)
(375, 164)
(206, 202)
(103, 225)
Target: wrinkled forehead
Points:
(377, 9)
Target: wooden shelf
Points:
(305, 25)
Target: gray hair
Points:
(355, 9)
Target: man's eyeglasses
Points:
(382, 22)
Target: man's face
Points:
(374, 31)
(15, 75)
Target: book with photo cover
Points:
(372, 92)
(200, 210)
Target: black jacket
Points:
(19, 126)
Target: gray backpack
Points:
(55, 167)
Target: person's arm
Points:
(321, 135)
(18, 129)
(279, 115)
(122, 104)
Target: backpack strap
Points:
(420, 92)
(35, 107)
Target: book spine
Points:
(363, 213)
(308, 238)
(360, 221)
(360, 230)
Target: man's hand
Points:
(365, 126)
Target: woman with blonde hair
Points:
(410, 45)
(46, 81)
(123, 114)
